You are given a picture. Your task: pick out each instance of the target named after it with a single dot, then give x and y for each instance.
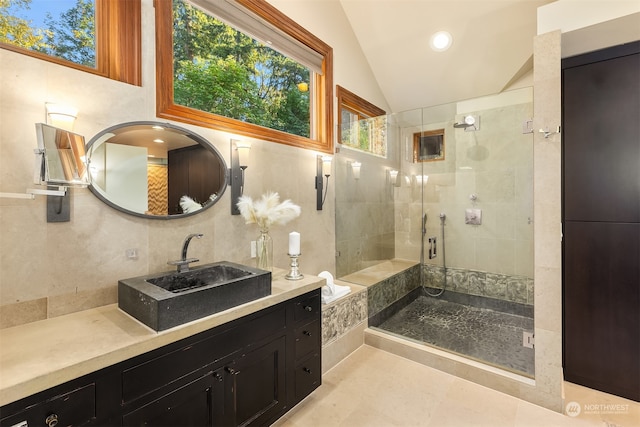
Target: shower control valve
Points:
(432, 248)
(473, 216)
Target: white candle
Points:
(294, 243)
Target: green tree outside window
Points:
(220, 70)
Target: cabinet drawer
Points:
(76, 408)
(308, 376)
(153, 374)
(307, 307)
(307, 338)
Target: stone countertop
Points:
(40, 355)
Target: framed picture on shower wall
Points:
(428, 146)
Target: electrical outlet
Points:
(528, 339)
(131, 254)
(253, 249)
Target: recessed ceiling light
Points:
(158, 141)
(156, 127)
(441, 41)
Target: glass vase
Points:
(264, 251)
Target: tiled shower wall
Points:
(385, 292)
(494, 164)
(473, 282)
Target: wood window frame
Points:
(361, 107)
(321, 111)
(352, 102)
(118, 42)
(417, 143)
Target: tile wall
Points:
(498, 286)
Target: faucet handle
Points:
(183, 264)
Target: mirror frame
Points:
(194, 136)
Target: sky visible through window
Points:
(38, 9)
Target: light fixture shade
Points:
(421, 179)
(61, 116)
(243, 148)
(326, 165)
(355, 166)
(393, 176)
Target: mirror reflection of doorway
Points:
(191, 173)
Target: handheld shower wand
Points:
(424, 224)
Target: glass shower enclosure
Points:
(454, 196)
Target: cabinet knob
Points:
(308, 308)
(307, 333)
(307, 370)
(217, 376)
(51, 420)
(230, 370)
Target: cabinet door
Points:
(259, 384)
(601, 302)
(601, 134)
(193, 404)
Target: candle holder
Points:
(294, 273)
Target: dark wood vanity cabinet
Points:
(247, 372)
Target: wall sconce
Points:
(355, 168)
(323, 167)
(393, 178)
(421, 179)
(61, 116)
(239, 156)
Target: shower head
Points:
(469, 121)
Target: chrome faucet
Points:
(183, 263)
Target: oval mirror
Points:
(155, 170)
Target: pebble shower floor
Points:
(487, 335)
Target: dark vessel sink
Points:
(162, 301)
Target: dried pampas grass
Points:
(268, 210)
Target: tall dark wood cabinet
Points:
(601, 220)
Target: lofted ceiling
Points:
(492, 47)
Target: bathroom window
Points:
(243, 67)
(428, 146)
(362, 125)
(83, 34)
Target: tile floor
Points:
(374, 388)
